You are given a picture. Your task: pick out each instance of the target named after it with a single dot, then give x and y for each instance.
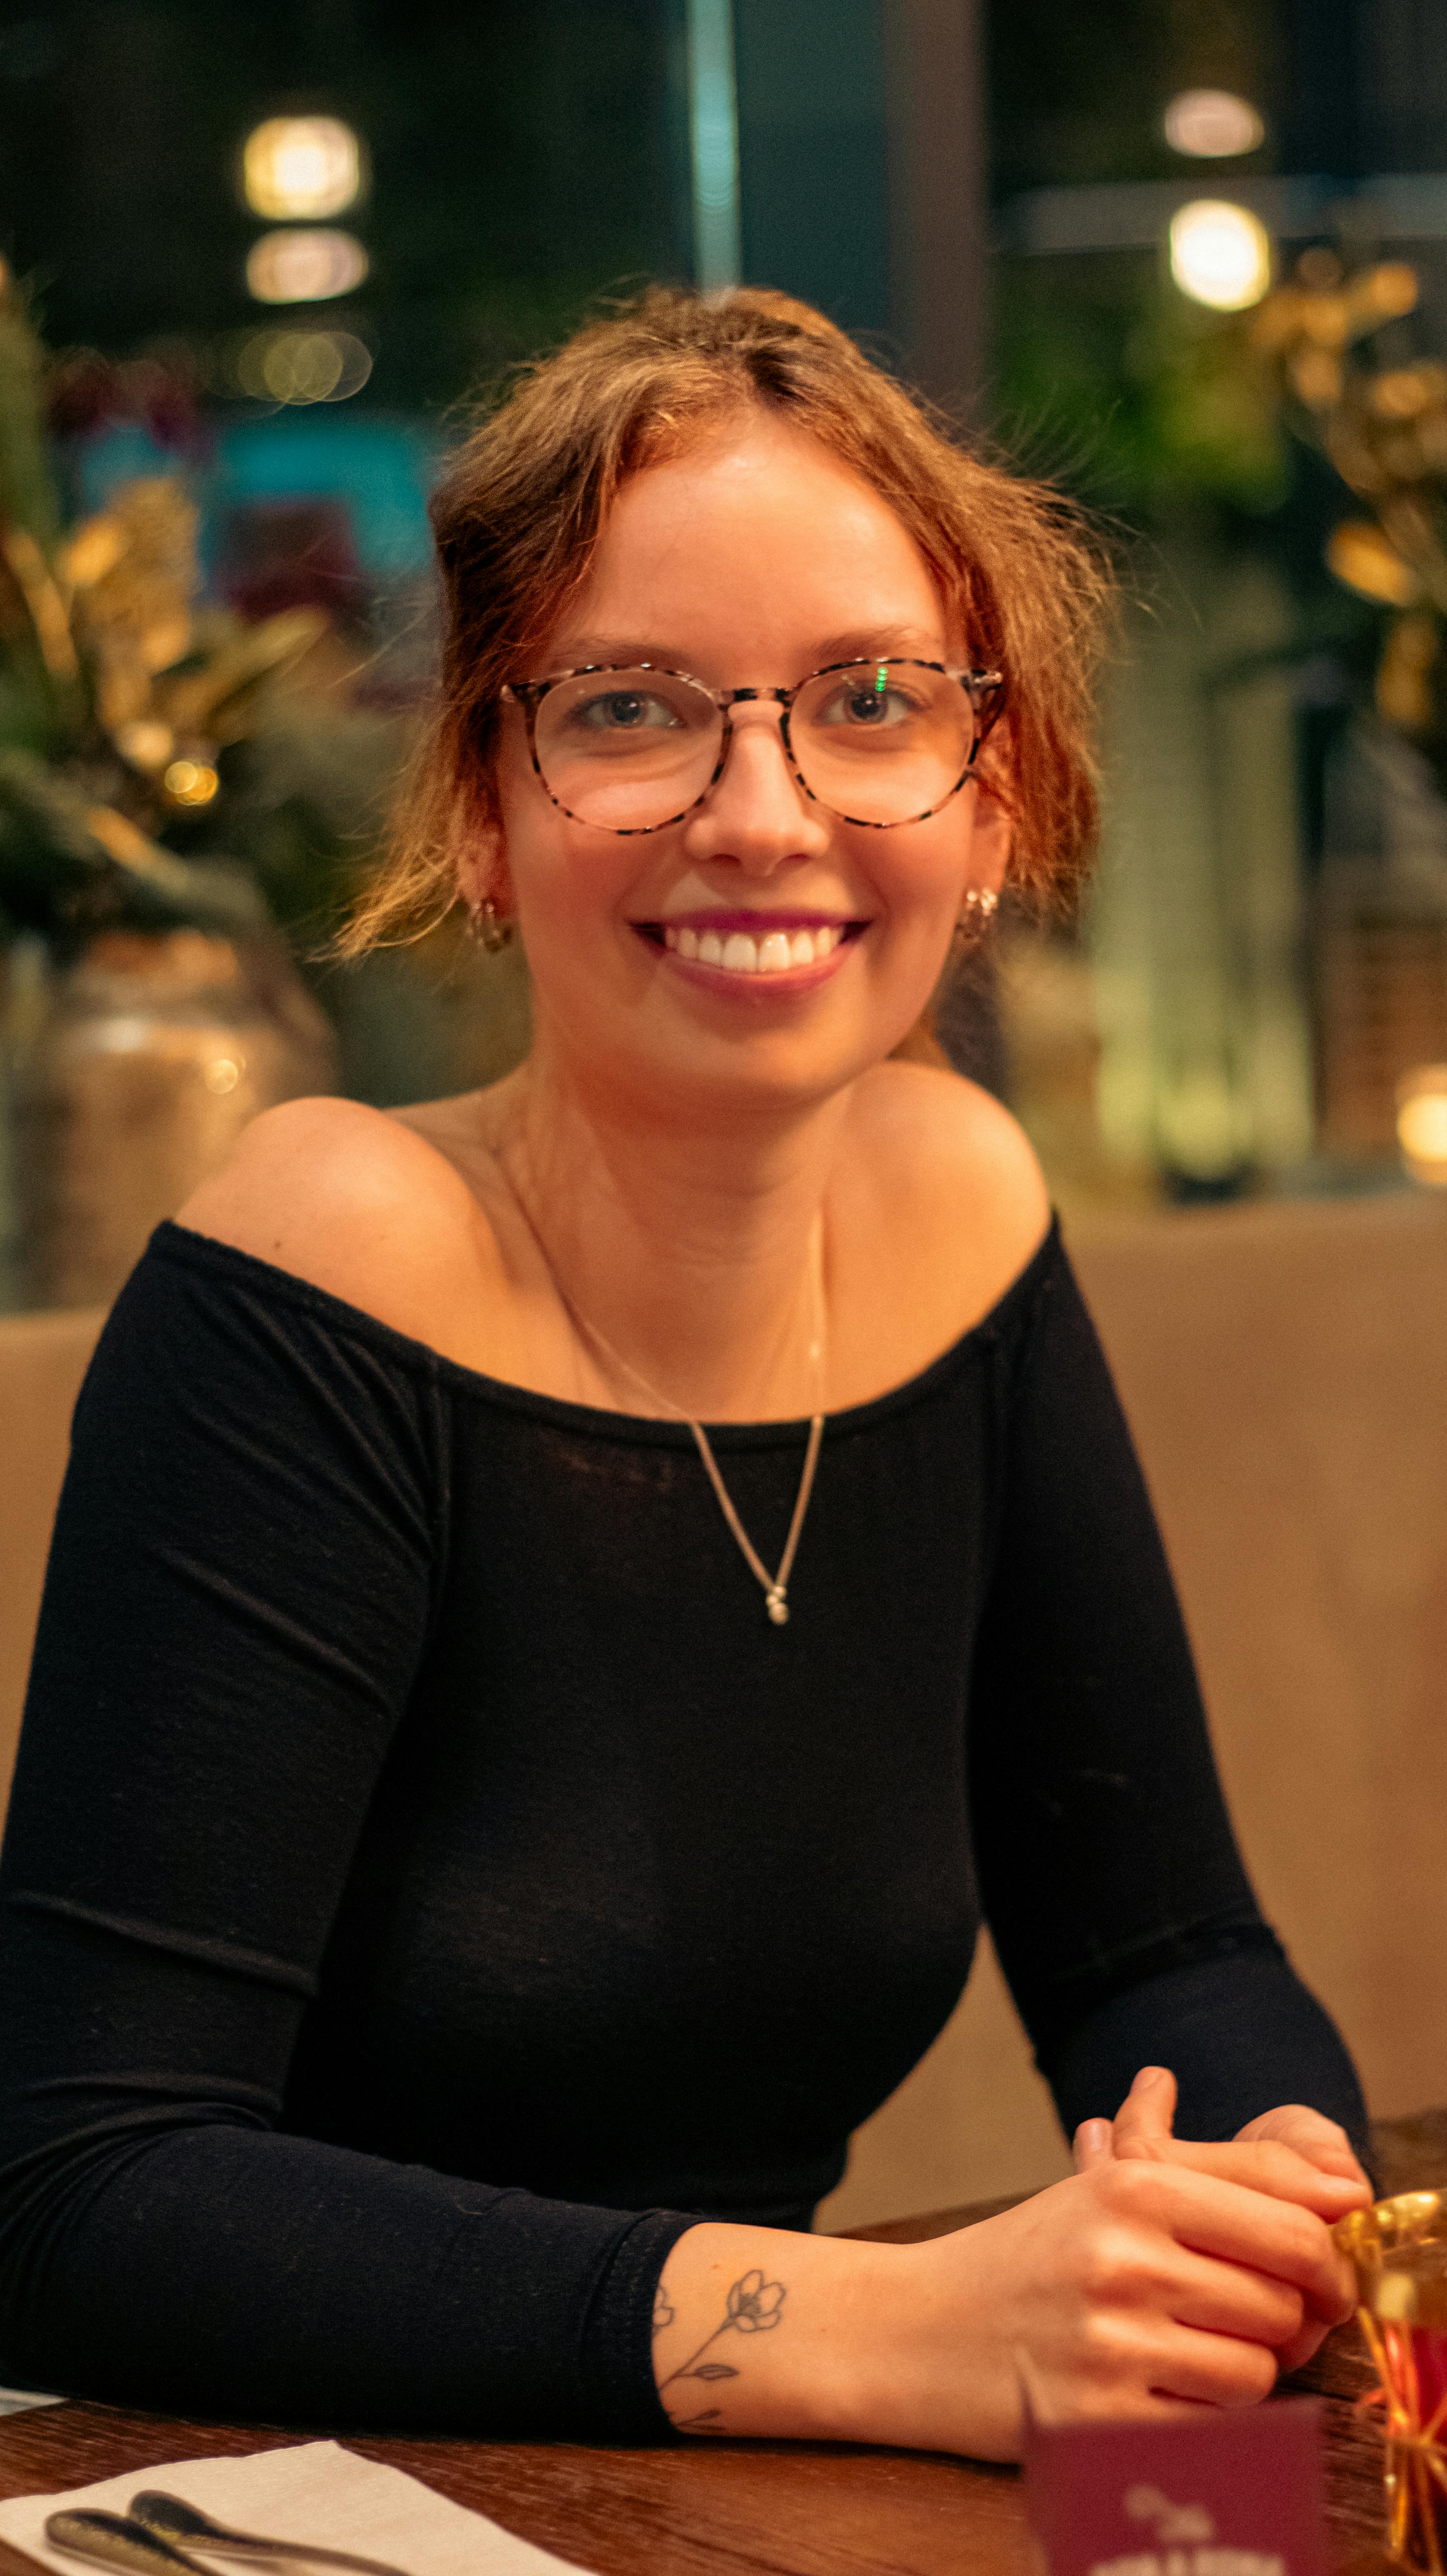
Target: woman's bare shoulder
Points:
(955, 1177)
(358, 1203)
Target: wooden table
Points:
(768, 2508)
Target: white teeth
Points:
(774, 954)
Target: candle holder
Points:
(1398, 2251)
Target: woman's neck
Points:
(690, 1252)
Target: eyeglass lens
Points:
(877, 742)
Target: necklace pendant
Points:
(777, 1607)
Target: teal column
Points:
(713, 133)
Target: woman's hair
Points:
(520, 511)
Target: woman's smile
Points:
(791, 951)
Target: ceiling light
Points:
(302, 366)
(1212, 124)
(303, 167)
(1220, 254)
(302, 267)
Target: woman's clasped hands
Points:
(1162, 2276)
(1291, 2155)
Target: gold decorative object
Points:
(166, 693)
(1384, 428)
(1398, 2251)
(150, 1005)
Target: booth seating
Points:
(1285, 1369)
(42, 1361)
(1284, 1366)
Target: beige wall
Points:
(1285, 1367)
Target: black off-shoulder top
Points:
(431, 1882)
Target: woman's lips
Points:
(771, 952)
(758, 955)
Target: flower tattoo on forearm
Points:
(753, 2307)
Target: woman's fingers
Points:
(1276, 2171)
(1142, 2125)
(1227, 2299)
(1216, 2370)
(1235, 2223)
(1092, 2145)
(1298, 2352)
(1310, 2134)
(1289, 2154)
(1159, 2357)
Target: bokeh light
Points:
(302, 366)
(1220, 254)
(303, 267)
(145, 742)
(191, 782)
(1363, 556)
(1212, 124)
(1422, 1123)
(302, 168)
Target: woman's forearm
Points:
(761, 2331)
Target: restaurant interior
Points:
(1189, 262)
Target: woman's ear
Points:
(993, 828)
(482, 870)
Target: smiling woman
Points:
(570, 1604)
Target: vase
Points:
(133, 1072)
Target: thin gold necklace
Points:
(775, 1587)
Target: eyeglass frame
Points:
(976, 684)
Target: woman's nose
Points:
(757, 814)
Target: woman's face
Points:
(751, 561)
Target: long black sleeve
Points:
(240, 1595)
(1124, 1920)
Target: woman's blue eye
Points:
(623, 711)
(872, 708)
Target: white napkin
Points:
(14, 2401)
(313, 2491)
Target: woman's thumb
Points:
(1145, 2116)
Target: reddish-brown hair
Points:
(522, 506)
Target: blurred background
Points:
(1189, 257)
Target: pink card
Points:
(1234, 2494)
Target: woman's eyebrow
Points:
(581, 649)
(865, 643)
(855, 644)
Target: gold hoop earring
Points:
(981, 905)
(489, 926)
